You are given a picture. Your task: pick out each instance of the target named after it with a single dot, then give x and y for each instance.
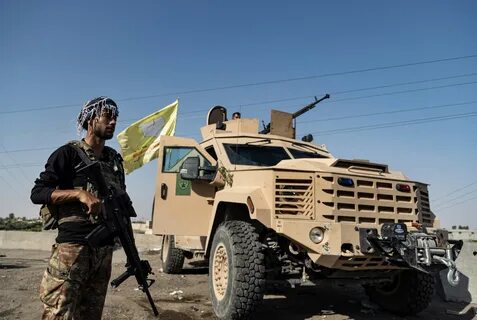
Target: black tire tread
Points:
(175, 260)
(413, 296)
(250, 268)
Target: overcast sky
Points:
(402, 77)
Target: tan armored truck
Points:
(262, 206)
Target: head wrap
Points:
(96, 107)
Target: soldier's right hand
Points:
(90, 201)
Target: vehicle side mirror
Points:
(190, 168)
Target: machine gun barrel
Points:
(309, 107)
(267, 128)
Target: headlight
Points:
(317, 234)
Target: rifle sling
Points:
(82, 154)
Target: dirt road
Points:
(185, 296)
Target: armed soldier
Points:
(75, 282)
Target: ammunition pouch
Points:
(49, 216)
(54, 215)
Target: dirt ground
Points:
(185, 296)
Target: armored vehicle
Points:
(262, 206)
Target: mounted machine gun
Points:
(283, 124)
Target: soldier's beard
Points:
(103, 133)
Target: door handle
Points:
(163, 191)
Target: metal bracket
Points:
(452, 275)
(364, 244)
(471, 306)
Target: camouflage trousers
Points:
(75, 282)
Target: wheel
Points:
(236, 270)
(409, 293)
(172, 257)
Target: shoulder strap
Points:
(118, 163)
(116, 157)
(77, 145)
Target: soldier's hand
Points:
(90, 201)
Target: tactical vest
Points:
(111, 168)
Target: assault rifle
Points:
(117, 210)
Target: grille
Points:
(294, 197)
(423, 205)
(369, 200)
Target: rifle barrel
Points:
(151, 302)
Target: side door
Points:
(181, 207)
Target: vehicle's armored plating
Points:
(262, 206)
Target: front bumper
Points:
(351, 247)
(421, 250)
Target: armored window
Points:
(251, 155)
(175, 156)
(210, 150)
(300, 154)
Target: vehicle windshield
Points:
(255, 155)
(300, 154)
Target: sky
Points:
(402, 77)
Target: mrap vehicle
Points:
(262, 206)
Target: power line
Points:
(306, 77)
(373, 95)
(41, 108)
(405, 91)
(342, 130)
(20, 165)
(391, 112)
(333, 101)
(11, 158)
(394, 124)
(408, 83)
(8, 183)
(456, 198)
(455, 191)
(348, 91)
(24, 150)
(257, 83)
(458, 203)
(2, 167)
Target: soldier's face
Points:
(104, 125)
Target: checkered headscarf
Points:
(94, 108)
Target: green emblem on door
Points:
(182, 186)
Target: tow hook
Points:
(452, 275)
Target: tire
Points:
(172, 257)
(410, 292)
(236, 270)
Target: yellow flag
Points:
(140, 141)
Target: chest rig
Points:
(111, 168)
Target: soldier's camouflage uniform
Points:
(75, 283)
